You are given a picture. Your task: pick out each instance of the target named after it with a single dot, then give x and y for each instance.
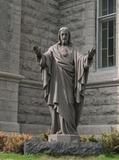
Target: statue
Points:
(65, 73)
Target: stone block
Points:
(97, 129)
(8, 116)
(34, 119)
(9, 126)
(10, 106)
(64, 138)
(34, 129)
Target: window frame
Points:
(99, 20)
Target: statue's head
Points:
(64, 36)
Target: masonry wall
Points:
(10, 20)
(79, 16)
(101, 109)
(39, 26)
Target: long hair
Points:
(69, 35)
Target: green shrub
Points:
(110, 142)
(87, 138)
(44, 136)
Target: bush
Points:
(110, 142)
(44, 136)
(3, 138)
(13, 142)
(87, 138)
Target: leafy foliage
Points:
(110, 142)
(3, 138)
(87, 138)
(44, 136)
(13, 142)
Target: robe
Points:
(64, 80)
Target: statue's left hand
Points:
(91, 53)
(37, 51)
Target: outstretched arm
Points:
(89, 58)
(37, 51)
(39, 56)
(43, 59)
(91, 54)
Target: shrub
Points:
(13, 142)
(3, 138)
(87, 138)
(110, 142)
(44, 136)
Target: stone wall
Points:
(79, 16)
(101, 109)
(10, 20)
(39, 26)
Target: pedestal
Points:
(64, 138)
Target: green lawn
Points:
(11, 156)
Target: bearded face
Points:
(64, 36)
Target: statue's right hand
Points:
(37, 51)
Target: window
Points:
(106, 33)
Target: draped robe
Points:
(64, 79)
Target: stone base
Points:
(36, 146)
(64, 138)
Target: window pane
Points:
(111, 28)
(104, 35)
(104, 39)
(104, 58)
(104, 25)
(110, 46)
(111, 62)
(111, 6)
(114, 6)
(107, 7)
(111, 38)
(103, 7)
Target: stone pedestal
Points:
(64, 138)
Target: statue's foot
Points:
(59, 132)
(52, 132)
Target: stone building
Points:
(25, 23)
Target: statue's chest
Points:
(64, 51)
(65, 54)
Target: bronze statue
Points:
(65, 73)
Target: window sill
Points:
(104, 76)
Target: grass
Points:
(12, 156)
